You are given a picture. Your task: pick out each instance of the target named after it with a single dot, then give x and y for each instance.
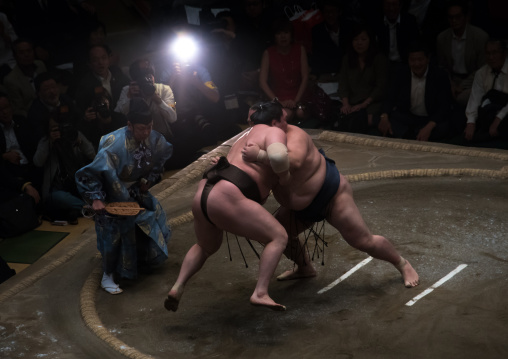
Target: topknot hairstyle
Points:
(265, 112)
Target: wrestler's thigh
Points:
(208, 236)
(345, 216)
(231, 211)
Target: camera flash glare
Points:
(184, 48)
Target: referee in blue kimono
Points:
(129, 161)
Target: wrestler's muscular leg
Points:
(209, 239)
(345, 216)
(294, 250)
(231, 211)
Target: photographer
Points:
(17, 143)
(194, 88)
(200, 112)
(61, 152)
(158, 97)
(99, 119)
(194, 129)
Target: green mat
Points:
(29, 247)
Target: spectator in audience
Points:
(329, 41)
(487, 108)
(159, 97)
(101, 73)
(420, 102)
(226, 28)
(96, 35)
(252, 38)
(200, 81)
(362, 82)
(100, 119)
(461, 50)
(7, 36)
(396, 30)
(220, 61)
(195, 82)
(284, 70)
(17, 143)
(47, 103)
(198, 109)
(61, 152)
(19, 82)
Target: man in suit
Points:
(461, 50)
(487, 108)
(420, 101)
(329, 40)
(102, 74)
(19, 82)
(48, 103)
(396, 31)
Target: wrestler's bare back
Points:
(261, 135)
(307, 168)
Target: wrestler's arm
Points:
(298, 142)
(277, 153)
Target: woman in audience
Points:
(362, 82)
(284, 69)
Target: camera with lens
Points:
(186, 69)
(102, 109)
(202, 124)
(100, 103)
(146, 86)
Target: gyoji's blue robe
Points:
(114, 176)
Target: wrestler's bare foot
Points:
(307, 271)
(266, 301)
(173, 299)
(409, 275)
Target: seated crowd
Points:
(421, 70)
